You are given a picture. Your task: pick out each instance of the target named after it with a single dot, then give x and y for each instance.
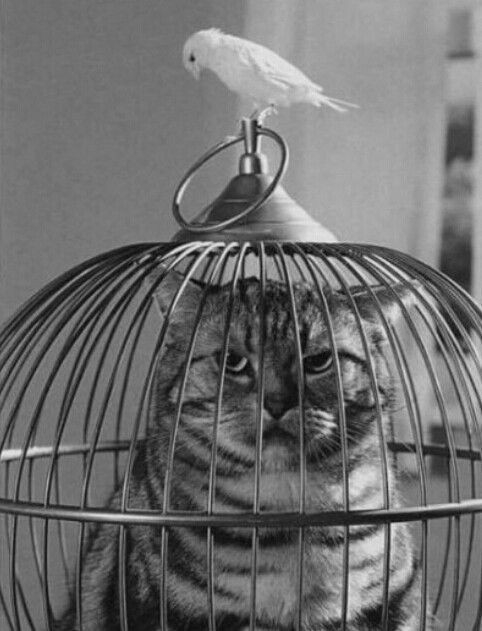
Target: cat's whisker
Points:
(399, 408)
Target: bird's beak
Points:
(195, 70)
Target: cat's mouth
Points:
(277, 435)
(279, 447)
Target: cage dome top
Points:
(253, 206)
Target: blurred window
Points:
(457, 209)
(460, 33)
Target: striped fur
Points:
(277, 575)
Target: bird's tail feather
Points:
(337, 104)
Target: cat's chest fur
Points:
(278, 584)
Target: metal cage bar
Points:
(414, 419)
(301, 419)
(259, 431)
(342, 419)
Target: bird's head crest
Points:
(197, 50)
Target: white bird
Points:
(254, 71)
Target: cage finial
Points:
(253, 206)
(252, 161)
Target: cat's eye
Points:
(319, 363)
(236, 363)
(192, 58)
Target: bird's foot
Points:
(260, 116)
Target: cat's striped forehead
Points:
(276, 306)
(305, 309)
(312, 310)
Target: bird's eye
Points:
(192, 58)
(236, 364)
(319, 363)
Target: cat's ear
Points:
(168, 286)
(390, 299)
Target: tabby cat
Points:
(277, 583)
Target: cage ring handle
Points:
(200, 227)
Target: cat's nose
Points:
(279, 406)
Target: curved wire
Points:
(259, 430)
(302, 447)
(28, 436)
(342, 419)
(473, 313)
(214, 448)
(413, 412)
(84, 356)
(378, 413)
(175, 427)
(94, 314)
(23, 354)
(199, 227)
(458, 382)
(145, 395)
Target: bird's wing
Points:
(272, 66)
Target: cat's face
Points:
(366, 384)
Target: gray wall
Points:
(99, 122)
(477, 256)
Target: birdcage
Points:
(252, 426)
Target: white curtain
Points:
(477, 256)
(374, 174)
